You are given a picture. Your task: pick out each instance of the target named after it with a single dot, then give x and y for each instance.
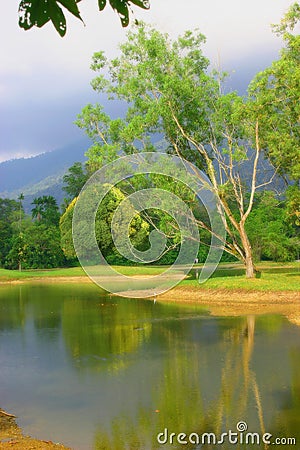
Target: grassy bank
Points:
(11, 275)
(70, 272)
(274, 276)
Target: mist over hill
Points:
(41, 174)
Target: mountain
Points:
(41, 174)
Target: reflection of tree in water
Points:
(202, 379)
(100, 339)
(189, 398)
(287, 420)
(101, 335)
(14, 316)
(47, 316)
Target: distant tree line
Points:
(44, 239)
(30, 242)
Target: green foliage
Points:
(99, 155)
(65, 226)
(74, 180)
(293, 205)
(271, 234)
(24, 244)
(104, 132)
(9, 210)
(10, 214)
(38, 246)
(138, 229)
(45, 210)
(288, 22)
(39, 12)
(137, 232)
(159, 78)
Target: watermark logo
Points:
(160, 171)
(239, 436)
(241, 426)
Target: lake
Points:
(98, 372)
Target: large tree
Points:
(138, 231)
(171, 91)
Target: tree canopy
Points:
(38, 246)
(74, 180)
(26, 244)
(45, 210)
(39, 12)
(138, 231)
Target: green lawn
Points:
(9, 275)
(274, 276)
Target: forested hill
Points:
(43, 174)
(40, 175)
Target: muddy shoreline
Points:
(219, 301)
(11, 436)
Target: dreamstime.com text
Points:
(238, 436)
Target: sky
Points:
(45, 79)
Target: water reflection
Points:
(206, 391)
(14, 316)
(99, 336)
(129, 369)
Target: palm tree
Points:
(21, 198)
(45, 209)
(38, 210)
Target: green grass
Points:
(274, 276)
(9, 275)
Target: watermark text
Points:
(238, 436)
